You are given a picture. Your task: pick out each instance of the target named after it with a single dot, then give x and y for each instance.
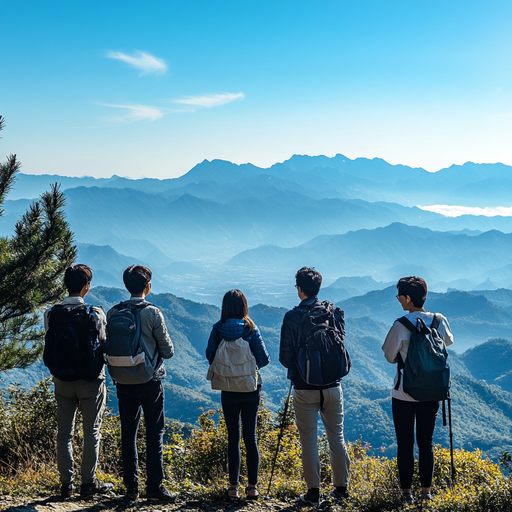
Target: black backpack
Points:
(322, 357)
(72, 349)
(426, 371)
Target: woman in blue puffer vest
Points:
(235, 323)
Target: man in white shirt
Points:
(89, 392)
(412, 293)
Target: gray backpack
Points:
(234, 367)
(126, 353)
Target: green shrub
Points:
(196, 460)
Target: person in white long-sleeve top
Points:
(412, 293)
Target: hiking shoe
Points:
(97, 487)
(233, 491)
(132, 491)
(340, 495)
(409, 498)
(426, 496)
(66, 490)
(161, 493)
(310, 497)
(251, 492)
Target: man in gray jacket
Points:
(149, 396)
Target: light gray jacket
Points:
(155, 334)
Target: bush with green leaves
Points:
(196, 460)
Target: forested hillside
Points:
(482, 413)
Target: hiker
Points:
(139, 382)
(235, 344)
(412, 293)
(74, 356)
(309, 400)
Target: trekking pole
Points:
(451, 439)
(279, 437)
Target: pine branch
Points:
(32, 263)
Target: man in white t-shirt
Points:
(87, 392)
(412, 293)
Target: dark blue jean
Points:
(405, 414)
(242, 406)
(149, 397)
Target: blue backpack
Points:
(128, 358)
(426, 371)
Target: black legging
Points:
(243, 406)
(404, 414)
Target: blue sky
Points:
(150, 89)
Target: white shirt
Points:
(397, 342)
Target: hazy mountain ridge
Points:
(442, 255)
(283, 213)
(362, 178)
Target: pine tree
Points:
(32, 263)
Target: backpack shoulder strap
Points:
(436, 321)
(406, 323)
(400, 365)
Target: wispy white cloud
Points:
(141, 112)
(457, 211)
(211, 100)
(137, 112)
(146, 62)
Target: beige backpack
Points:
(234, 367)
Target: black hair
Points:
(415, 287)
(136, 278)
(234, 305)
(76, 277)
(309, 281)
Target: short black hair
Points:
(415, 287)
(309, 281)
(76, 277)
(136, 278)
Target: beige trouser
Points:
(307, 406)
(92, 398)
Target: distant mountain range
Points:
(317, 176)
(347, 217)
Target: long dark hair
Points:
(234, 305)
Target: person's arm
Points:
(446, 332)
(100, 321)
(392, 343)
(213, 343)
(161, 335)
(47, 318)
(258, 348)
(286, 347)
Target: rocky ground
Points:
(115, 502)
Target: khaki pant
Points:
(307, 406)
(91, 397)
